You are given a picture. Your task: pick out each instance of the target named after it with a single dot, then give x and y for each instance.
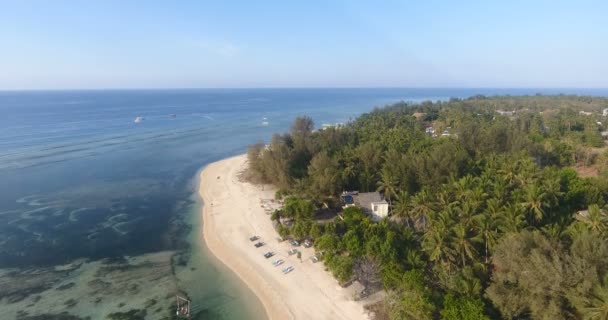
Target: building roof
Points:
(418, 115)
(366, 199)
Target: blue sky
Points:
(169, 44)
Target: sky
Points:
(215, 44)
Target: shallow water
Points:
(97, 213)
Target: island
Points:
(477, 208)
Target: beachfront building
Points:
(372, 203)
(605, 112)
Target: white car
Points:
(277, 262)
(287, 270)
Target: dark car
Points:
(259, 244)
(268, 254)
(254, 238)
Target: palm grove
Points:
(488, 221)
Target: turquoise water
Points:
(82, 186)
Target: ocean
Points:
(98, 213)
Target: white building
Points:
(371, 203)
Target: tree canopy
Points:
(489, 215)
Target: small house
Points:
(372, 203)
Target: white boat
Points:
(139, 119)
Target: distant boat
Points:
(172, 116)
(264, 121)
(139, 119)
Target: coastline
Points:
(232, 212)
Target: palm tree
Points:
(534, 202)
(525, 172)
(507, 172)
(435, 243)
(387, 185)
(421, 205)
(477, 196)
(512, 219)
(597, 307)
(465, 213)
(595, 219)
(402, 206)
(486, 226)
(462, 187)
(463, 243)
(500, 191)
(445, 199)
(366, 178)
(349, 172)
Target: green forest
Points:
(497, 204)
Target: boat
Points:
(183, 307)
(139, 119)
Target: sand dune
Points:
(232, 212)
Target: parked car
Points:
(308, 243)
(277, 262)
(253, 238)
(295, 243)
(287, 270)
(268, 254)
(292, 251)
(259, 244)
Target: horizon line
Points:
(299, 88)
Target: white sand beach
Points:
(232, 212)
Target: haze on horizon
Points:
(117, 44)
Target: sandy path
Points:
(231, 214)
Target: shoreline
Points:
(232, 212)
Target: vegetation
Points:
(486, 220)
